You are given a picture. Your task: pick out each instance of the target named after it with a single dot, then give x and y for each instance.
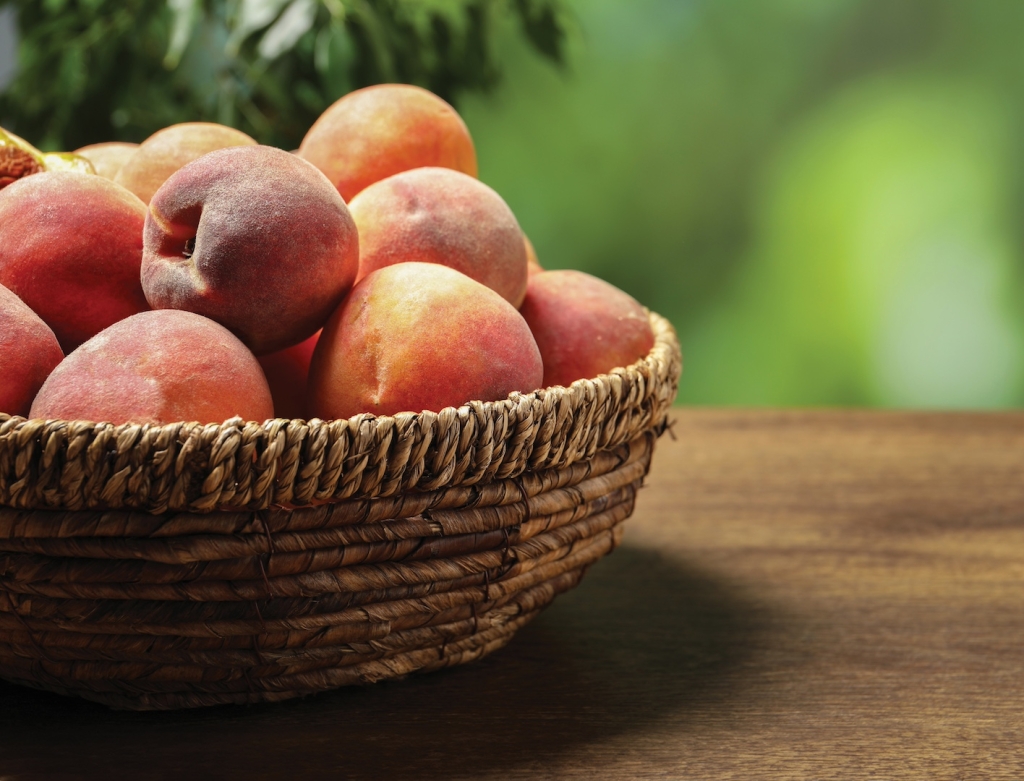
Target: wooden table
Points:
(807, 595)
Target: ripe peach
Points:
(28, 353)
(287, 374)
(419, 336)
(378, 131)
(109, 157)
(583, 325)
(169, 149)
(157, 367)
(254, 238)
(71, 248)
(436, 215)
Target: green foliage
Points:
(823, 197)
(98, 70)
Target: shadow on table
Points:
(642, 638)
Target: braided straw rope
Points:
(184, 565)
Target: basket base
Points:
(426, 588)
(490, 631)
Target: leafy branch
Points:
(98, 70)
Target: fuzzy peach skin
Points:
(28, 353)
(170, 149)
(419, 336)
(254, 238)
(71, 248)
(379, 131)
(583, 325)
(287, 373)
(436, 215)
(108, 157)
(157, 367)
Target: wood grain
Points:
(806, 595)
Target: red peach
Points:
(168, 150)
(28, 353)
(254, 238)
(287, 374)
(436, 215)
(379, 131)
(157, 367)
(71, 248)
(583, 325)
(108, 157)
(419, 336)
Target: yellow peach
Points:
(379, 131)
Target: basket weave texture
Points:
(153, 567)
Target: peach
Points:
(419, 336)
(583, 325)
(379, 131)
(533, 265)
(157, 367)
(28, 353)
(108, 157)
(436, 215)
(170, 149)
(71, 248)
(68, 161)
(254, 238)
(287, 374)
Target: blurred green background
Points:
(822, 195)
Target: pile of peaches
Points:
(200, 276)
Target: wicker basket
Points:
(152, 567)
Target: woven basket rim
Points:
(77, 464)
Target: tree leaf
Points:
(295, 22)
(543, 27)
(333, 59)
(253, 15)
(184, 13)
